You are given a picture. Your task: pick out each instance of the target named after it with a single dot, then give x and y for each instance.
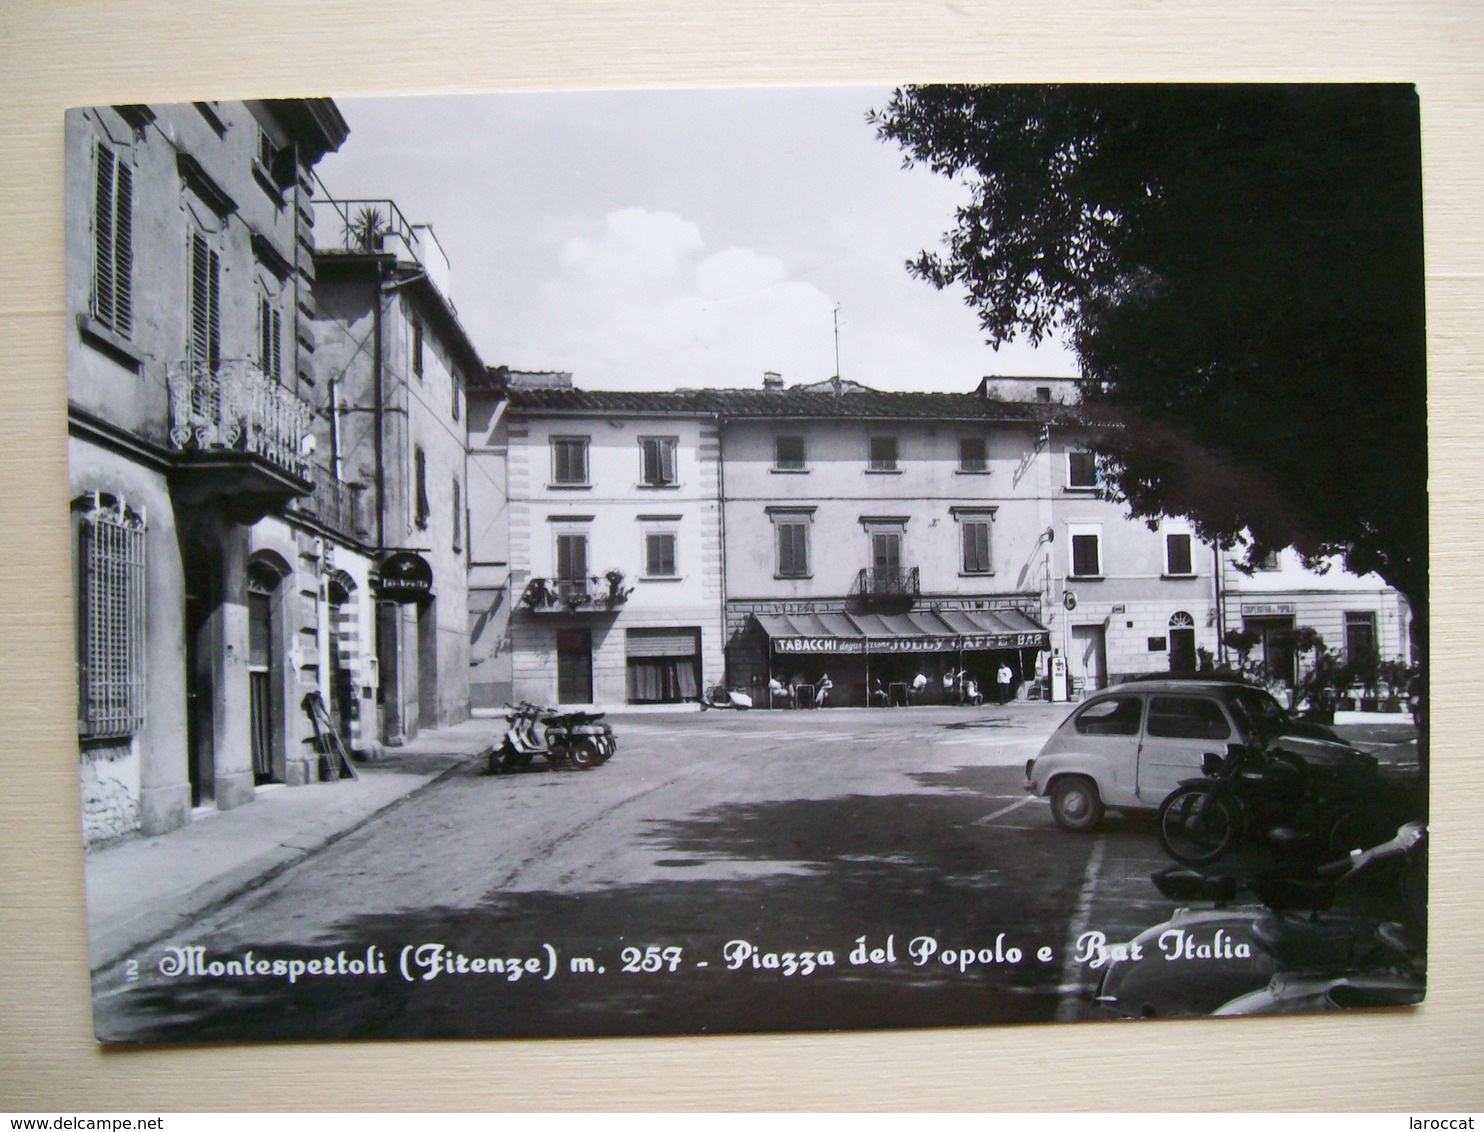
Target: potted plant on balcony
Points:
(617, 592)
(366, 230)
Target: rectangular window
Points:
(270, 340)
(458, 517)
(788, 453)
(1268, 560)
(420, 486)
(113, 242)
(659, 555)
(571, 560)
(1360, 635)
(793, 549)
(1087, 555)
(206, 305)
(454, 399)
(973, 455)
(1178, 559)
(111, 625)
(569, 460)
(883, 454)
(975, 536)
(658, 460)
(417, 347)
(1082, 469)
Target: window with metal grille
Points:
(113, 241)
(420, 486)
(270, 339)
(659, 555)
(111, 627)
(206, 304)
(883, 454)
(659, 460)
(569, 460)
(975, 535)
(793, 550)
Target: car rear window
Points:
(1117, 715)
(1187, 717)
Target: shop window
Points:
(1082, 470)
(788, 454)
(658, 459)
(659, 555)
(1178, 558)
(569, 461)
(883, 454)
(113, 242)
(111, 626)
(973, 454)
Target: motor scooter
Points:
(1293, 951)
(578, 739)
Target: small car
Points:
(1127, 747)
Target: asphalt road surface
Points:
(679, 889)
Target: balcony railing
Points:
(893, 583)
(235, 408)
(574, 595)
(335, 504)
(377, 225)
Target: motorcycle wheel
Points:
(1196, 826)
(583, 754)
(501, 758)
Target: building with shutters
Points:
(397, 364)
(614, 543)
(207, 524)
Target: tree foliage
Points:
(1239, 270)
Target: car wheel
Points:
(1196, 826)
(1075, 804)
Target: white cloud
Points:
(737, 273)
(639, 250)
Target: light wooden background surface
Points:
(58, 54)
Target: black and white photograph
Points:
(751, 560)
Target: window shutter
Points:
(103, 220)
(123, 250)
(206, 312)
(667, 461)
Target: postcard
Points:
(748, 560)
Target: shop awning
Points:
(858, 633)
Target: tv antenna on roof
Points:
(837, 341)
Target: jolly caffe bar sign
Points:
(845, 646)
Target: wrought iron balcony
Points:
(335, 504)
(575, 595)
(235, 407)
(895, 584)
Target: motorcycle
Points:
(1261, 792)
(1291, 952)
(578, 739)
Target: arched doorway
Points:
(265, 649)
(1182, 642)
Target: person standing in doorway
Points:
(1003, 679)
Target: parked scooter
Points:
(1264, 793)
(578, 739)
(1292, 952)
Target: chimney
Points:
(772, 380)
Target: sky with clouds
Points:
(664, 239)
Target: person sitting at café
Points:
(822, 692)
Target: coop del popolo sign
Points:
(405, 576)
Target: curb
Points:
(252, 876)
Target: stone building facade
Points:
(196, 432)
